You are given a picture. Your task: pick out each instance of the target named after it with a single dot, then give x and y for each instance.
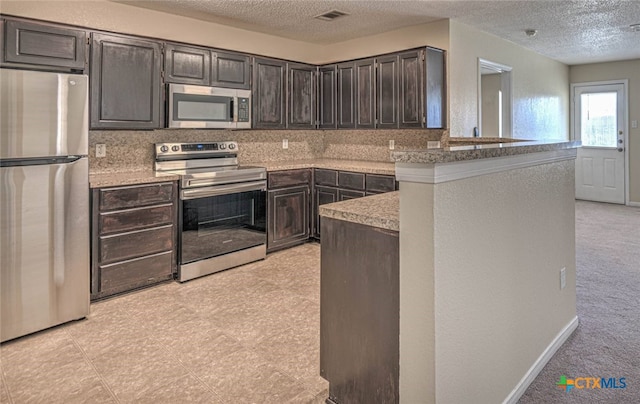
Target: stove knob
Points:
(175, 148)
(223, 146)
(164, 149)
(232, 146)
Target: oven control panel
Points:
(170, 149)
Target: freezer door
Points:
(44, 244)
(42, 114)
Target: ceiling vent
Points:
(330, 15)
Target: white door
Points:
(599, 122)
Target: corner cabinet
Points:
(269, 93)
(327, 97)
(288, 208)
(133, 237)
(43, 45)
(301, 112)
(126, 91)
(334, 186)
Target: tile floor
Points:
(247, 335)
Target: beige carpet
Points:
(607, 341)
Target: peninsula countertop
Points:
(381, 210)
(463, 149)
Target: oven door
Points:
(200, 107)
(222, 219)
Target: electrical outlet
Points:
(285, 143)
(101, 150)
(634, 124)
(392, 144)
(563, 278)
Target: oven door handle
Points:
(187, 194)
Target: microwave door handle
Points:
(234, 109)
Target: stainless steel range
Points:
(222, 215)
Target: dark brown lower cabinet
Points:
(359, 312)
(133, 237)
(288, 217)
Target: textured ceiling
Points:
(573, 32)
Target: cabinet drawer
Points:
(380, 183)
(128, 197)
(134, 273)
(288, 178)
(344, 194)
(134, 219)
(135, 244)
(351, 180)
(326, 177)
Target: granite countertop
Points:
(111, 178)
(474, 149)
(369, 167)
(381, 210)
(99, 179)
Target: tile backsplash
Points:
(133, 150)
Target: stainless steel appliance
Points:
(222, 206)
(208, 107)
(44, 200)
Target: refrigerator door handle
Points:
(38, 161)
(59, 219)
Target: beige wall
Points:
(123, 18)
(540, 86)
(630, 70)
(480, 262)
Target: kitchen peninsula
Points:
(486, 271)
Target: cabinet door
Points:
(435, 89)
(187, 65)
(388, 91)
(365, 94)
(125, 83)
(302, 96)
(411, 74)
(322, 196)
(230, 70)
(327, 96)
(269, 96)
(44, 45)
(288, 217)
(346, 95)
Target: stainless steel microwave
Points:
(208, 107)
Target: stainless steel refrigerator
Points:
(44, 200)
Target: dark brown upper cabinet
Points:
(410, 98)
(302, 96)
(125, 82)
(387, 91)
(435, 89)
(187, 65)
(327, 96)
(346, 95)
(365, 104)
(230, 70)
(44, 45)
(269, 93)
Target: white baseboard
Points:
(537, 366)
(637, 204)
